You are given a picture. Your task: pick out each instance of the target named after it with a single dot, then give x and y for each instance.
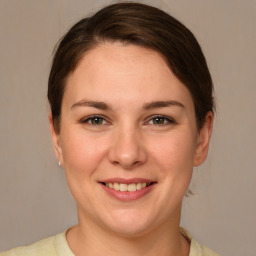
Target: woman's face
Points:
(128, 122)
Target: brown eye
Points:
(161, 120)
(94, 120)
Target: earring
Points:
(59, 164)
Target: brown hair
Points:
(136, 24)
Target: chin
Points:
(129, 229)
(129, 223)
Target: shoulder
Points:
(197, 249)
(43, 247)
(51, 246)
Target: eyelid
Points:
(170, 120)
(88, 118)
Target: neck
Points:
(87, 238)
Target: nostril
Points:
(126, 163)
(127, 152)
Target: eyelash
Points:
(167, 120)
(90, 118)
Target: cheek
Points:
(174, 157)
(178, 149)
(82, 154)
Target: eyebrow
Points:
(162, 104)
(93, 104)
(146, 106)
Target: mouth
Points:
(123, 187)
(127, 190)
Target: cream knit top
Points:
(58, 246)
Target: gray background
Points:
(34, 198)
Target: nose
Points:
(128, 150)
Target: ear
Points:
(203, 140)
(56, 141)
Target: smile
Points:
(127, 187)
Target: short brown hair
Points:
(135, 24)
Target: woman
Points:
(131, 114)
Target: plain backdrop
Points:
(34, 198)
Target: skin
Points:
(128, 141)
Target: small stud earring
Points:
(59, 164)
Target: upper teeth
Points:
(127, 187)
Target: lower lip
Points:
(127, 195)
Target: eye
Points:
(94, 120)
(161, 120)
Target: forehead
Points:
(126, 71)
(119, 58)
